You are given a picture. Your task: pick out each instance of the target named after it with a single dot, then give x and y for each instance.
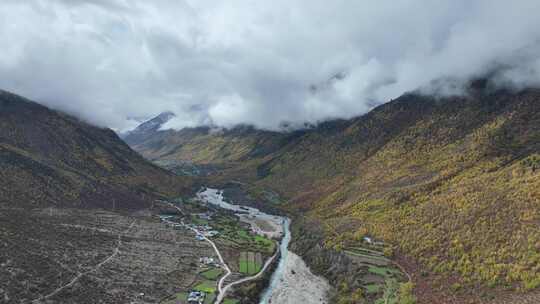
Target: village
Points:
(206, 263)
(247, 245)
(249, 240)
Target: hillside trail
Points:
(116, 251)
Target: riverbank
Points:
(359, 270)
(292, 281)
(298, 284)
(251, 292)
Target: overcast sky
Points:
(113, 62)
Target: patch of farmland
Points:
(212, 274)
(379, 276)
(250, 263)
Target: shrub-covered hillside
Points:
(453, 183)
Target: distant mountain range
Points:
(452, 183)
(147, 128)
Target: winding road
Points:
(221, 289)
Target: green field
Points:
(250, 263)
(373, 288)
(230, 301)
(383, 279)
(212, 274)
(384, 271)
(206, 286)
(264, 242)
(367, 255)
(237, 233)
(243, 266)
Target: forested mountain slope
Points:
(453, 183)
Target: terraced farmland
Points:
(380, 278)
(250, 262)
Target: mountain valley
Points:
(450, 184)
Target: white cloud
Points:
(254, 62)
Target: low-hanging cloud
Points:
(264, 63)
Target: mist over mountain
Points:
(391, 150)
(148, 127)
(265, 64)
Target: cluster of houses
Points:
(167, 219)
(211, 233)
(205, 216)
(204, 231)
(370, 241)
(201, 236)
(207, 261)
(196, 297)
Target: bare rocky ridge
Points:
(50, 158)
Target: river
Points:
(292, 282)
